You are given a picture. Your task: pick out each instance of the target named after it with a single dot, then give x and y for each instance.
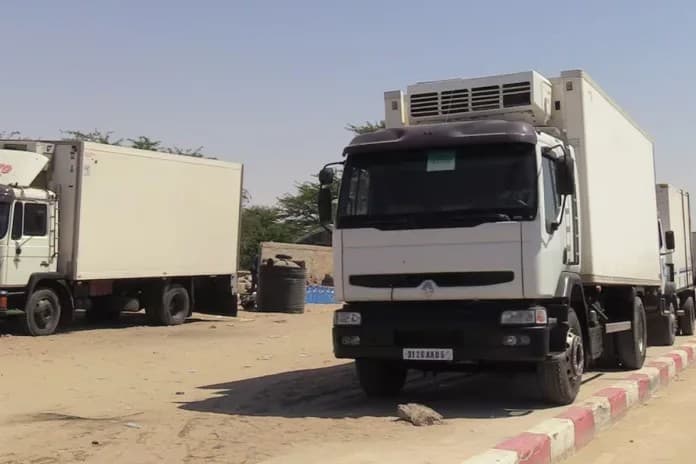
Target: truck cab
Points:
(28, 243)
(458, 239)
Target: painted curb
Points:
(556, 439)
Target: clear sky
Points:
(273, 83)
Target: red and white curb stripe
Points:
(556, 439)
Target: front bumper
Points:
(471, 329)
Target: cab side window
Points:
(552, 200)
(17, 221)
(35, 219)
(29, 220)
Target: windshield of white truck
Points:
(4, 218)
(451, 187)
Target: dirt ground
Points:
(661, 431)
(256, 388)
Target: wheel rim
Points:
(641, 329)
(44, 313)
(673, 319)
(575, 355)
(641, 340)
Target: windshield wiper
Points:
(482, 217)
(386, 223)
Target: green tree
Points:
(11, 135)
(298, 210)
(195, 152)
(145, 143)
(246, 198)
(365, 128)
(261, 224)
(95, 135)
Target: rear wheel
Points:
(687, 321)
(41, 313)
(631, 345)
(380, 378)
(664, 326)
(560, 378)
(170, 307)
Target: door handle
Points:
(44, 263)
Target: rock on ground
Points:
(418, 415)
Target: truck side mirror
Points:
(326, 176)
(565, 176)
(669, 240)
(324, 204)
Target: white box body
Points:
(127, 213)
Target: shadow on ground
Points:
(333, 392)
(11, 326)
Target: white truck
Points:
(107, 228)
(505, 220)
(674, 211)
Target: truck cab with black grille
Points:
(486, 225)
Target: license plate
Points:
(428, 354)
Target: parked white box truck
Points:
(102, 227)
(674, 208)
(501, 220)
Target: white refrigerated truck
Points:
(674, 210)
(505, 220)
(105, 228)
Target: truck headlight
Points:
(524, 317)
(347, 318)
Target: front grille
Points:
(441, 279)
(430, 339)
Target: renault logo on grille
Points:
(428, 288)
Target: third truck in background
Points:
(505, 220)
(674, 210)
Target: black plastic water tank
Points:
(282, 286)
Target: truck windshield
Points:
(4, 218)
(464, 186)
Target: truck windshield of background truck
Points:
(4, 218)
(453, 187)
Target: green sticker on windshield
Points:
(441, 160)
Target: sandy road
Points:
(257, 388)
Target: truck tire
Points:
(41, 313)
(664, 330)
(380, 379)
(171, 307)
(687, 322)
(560, 378)
(631, 346)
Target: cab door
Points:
(28, 250)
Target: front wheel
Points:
(41, 313)
(631, 345)
(560, 378)
(380, 378)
